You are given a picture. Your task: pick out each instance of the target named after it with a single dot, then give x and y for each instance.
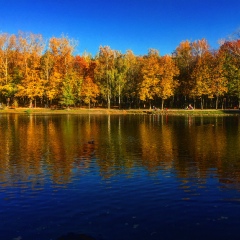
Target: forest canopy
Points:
(40, 73)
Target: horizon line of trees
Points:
(37, 72)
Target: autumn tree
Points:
(219, 82)
(67, 97)
(89, 91)
(133, 76)
(209, 77)
(184, 59)
(199, 47)
(230, 51)
(201, 72)
(8, 48)
(150, 76)
(120, 71)
(30, 48)
(104, 72)
(62, 50)
(167, 78)
(159, 77)
(33, 69)
(82, 67)
(61, 61)
(49, 76)
(201, 77)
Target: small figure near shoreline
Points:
(189, 107)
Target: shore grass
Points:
(117, 111)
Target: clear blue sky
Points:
(124, 24)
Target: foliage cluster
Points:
(34, 72)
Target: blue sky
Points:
(123, 24)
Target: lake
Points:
(143, 177)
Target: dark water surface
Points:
(119, 177)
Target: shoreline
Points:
(101, 111)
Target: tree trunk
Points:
(6, 71)
(108, 101)
(217, 102)
(30, 103)
(238, 100)
(119, 97)
(162, 103)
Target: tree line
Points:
(39, 72)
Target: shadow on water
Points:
(231, 111)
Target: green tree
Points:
(67, 97)
(120, 75)
(230, 51)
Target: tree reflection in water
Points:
(194, 147)
(146, 176)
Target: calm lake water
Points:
(113, 177)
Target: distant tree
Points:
(89, 91)
(133, 77)
(150, 76)
(67, 97)
(184, 60)
(201, 71)
(32, 85)
(199, 48)
(8, 47)
(158, 77)
(49, 76)
(230, 52)
(219, 82)
(120, 71)
(104, 72)
(167, 78)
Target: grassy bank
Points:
(116, 111)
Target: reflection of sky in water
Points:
(142, 178)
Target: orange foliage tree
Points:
(150, 72)
(158, 75)
(167, 78)
(184, 59)
(30, 49)
(39, 71)
(8, 48)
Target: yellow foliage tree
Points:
(158, 77)
(219, 82)
(7, 58)
(104, 72)
(150, 72)
(184, 59)
(167, 79)
(32, 85)
(89, 91)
